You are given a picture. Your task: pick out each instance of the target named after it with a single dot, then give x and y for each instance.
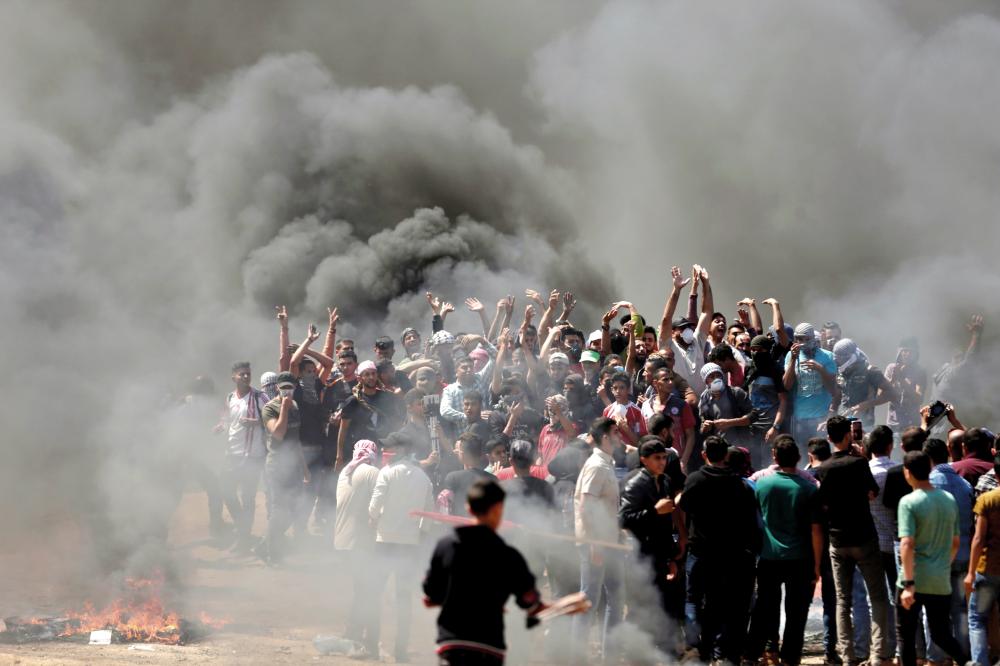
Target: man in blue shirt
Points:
(811, 379)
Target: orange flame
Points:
(137, 616)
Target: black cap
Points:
(647, 449)
(284, 378)
(683, 322)
(384, 342)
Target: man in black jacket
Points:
(470, 625)
(724, 542)
(647, 512)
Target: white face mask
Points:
(286, 392)
(687, 335)
(717, 385)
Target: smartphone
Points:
(938, 409)
(857, 430)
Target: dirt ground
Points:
(272, 614)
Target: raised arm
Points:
(284, 356)
(569, 304)
(476, 306)
(311, 337)
(501, 320)
(668, 310)
(549, 314)
(975, 327)
(331, 332)
(755, 322)
(778, 322)
(606, 330)
(692, 310)
(437, 321)
(707, 304)
(503, 355)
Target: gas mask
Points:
(573, 351)
(687, 335)
(717, 385)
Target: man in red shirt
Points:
(557, 432)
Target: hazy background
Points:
(169, 171)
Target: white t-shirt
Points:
(688, 362)
(246, 437)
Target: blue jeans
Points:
(595, 579)
(959, 611)
(692, 601)
(803, 430)
(985, 592)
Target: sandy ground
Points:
(273, 614)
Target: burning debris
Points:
(138, 616)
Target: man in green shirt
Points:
(285, 468)
(793, 544)
(929, 538)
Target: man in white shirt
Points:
(400, 488)
(355, 534)
(245, 452)
(595, 503)
(466, 379)
(684, 337)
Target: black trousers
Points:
(724, 584)
(797, 578)
(938, 607)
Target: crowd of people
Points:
(686, 474)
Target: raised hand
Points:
(773, 302)
(609, 315)
(553, 299)
(446, 307)
(702, 273)
(534, 296)
(473, 304)
(312, 335)
(747, 302)
(568, 302)
(975, 324)
(334, 317)
(281, 313)
(624, 304)
(529, 313)
(509, 305)
(434, 302)
(679, 280)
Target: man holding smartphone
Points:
(811, 379)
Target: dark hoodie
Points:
(472, 603)
(905, 379)
(722, 511)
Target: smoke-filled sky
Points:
(169, 171)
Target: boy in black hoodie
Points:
(470, 626)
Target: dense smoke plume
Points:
(171, 171)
